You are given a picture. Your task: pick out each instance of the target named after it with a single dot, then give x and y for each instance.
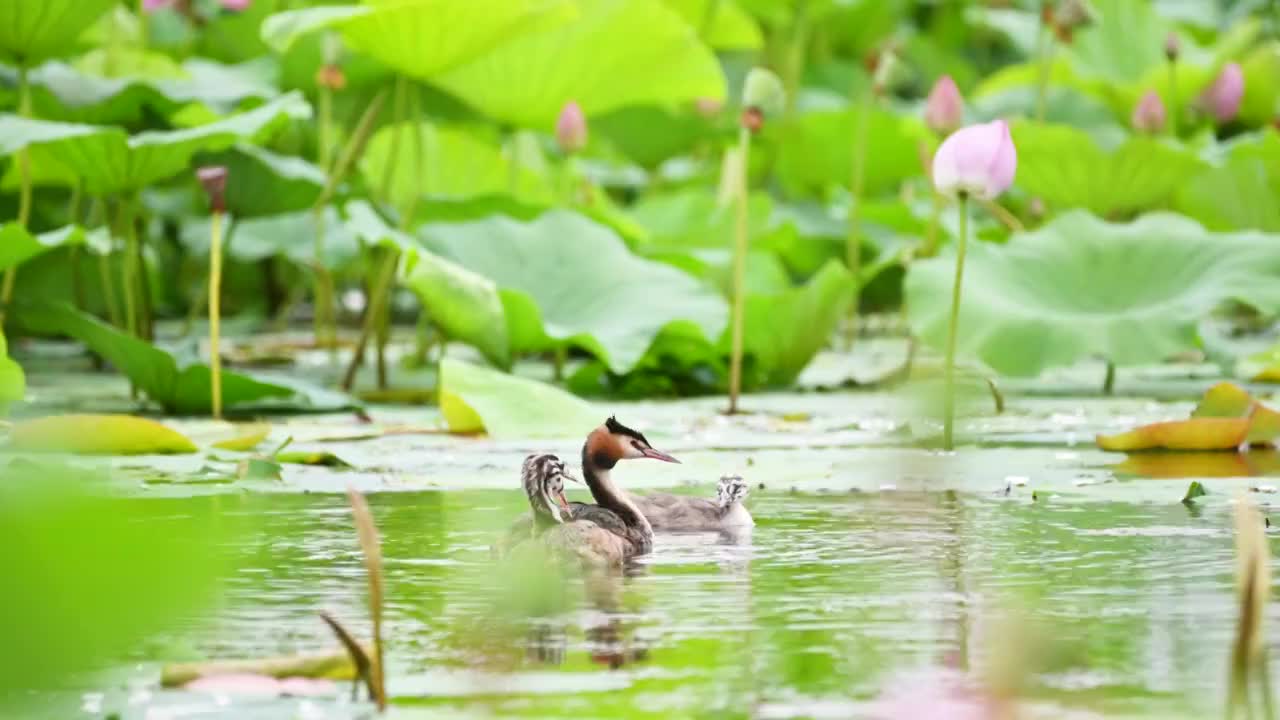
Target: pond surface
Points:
(834, 606)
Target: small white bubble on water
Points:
(1017, 480)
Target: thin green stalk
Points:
(1042, 84)
(853, 240)
(1173, 98)
(1109, 381)
(376, 299)
(215, 311)
(324, 128)
(561, 355)
(739, 268)
(796, 49)
(398, 122)
(949, 400)
(128, 268)
(326, 319)
(24, 189)
(146, 320)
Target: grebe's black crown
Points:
(617, 428)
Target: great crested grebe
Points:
(554, 526)
(665, 511)
(614, 510)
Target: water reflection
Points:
(816, 611)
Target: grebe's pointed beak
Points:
(659, 455)
(571, 478)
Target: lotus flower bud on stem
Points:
(571, 128)
(213, 179)
(331, 77)
(763, 96)
(1222, 98)
(944, 108)
(886, 74)
(1069, 16)
(976, 161)
(1149, 115)
(1172, 46)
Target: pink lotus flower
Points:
(154, 5)
(944, 109)
(977, 160)
(571, 128)
(1148, 116)
(236, 5)
(1222, 98)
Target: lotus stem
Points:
(215, 310)
(146, 322)
(1109, 380)
(561, 355)
(739, 268)
(949, 397)
(24, 190)
(377, 298)
(853, 241)
(1173, 97)
(324, 281)
(1045, 71)
(1006, 218)
(128, 269)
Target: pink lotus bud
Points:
(236, 5)
(154, 5)
(571, 128)
(1222, 98)
(979, 160)
(1148, 116)
(213, 178)
(1172, 46)
(944, 110)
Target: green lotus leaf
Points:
(289, 235)
(106, 160)
(816, 152)
(17, 245)
(1261, 85)
(35, 30)
(475, 398)
(1125, 41)
(721, 23)
(179, 388)
(783, 331)
(61, 92)
(1241, 193)
(1079, 286)
(1065, 168)
(565, 279)
(615, 54)
(420, 38)
(649, 135)
(260, 182)
(463, 304)
(455, 163)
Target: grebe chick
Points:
(668, 512)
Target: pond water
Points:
(841, 605)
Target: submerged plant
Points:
(978, 161)
(214, 181)
(762, 96)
